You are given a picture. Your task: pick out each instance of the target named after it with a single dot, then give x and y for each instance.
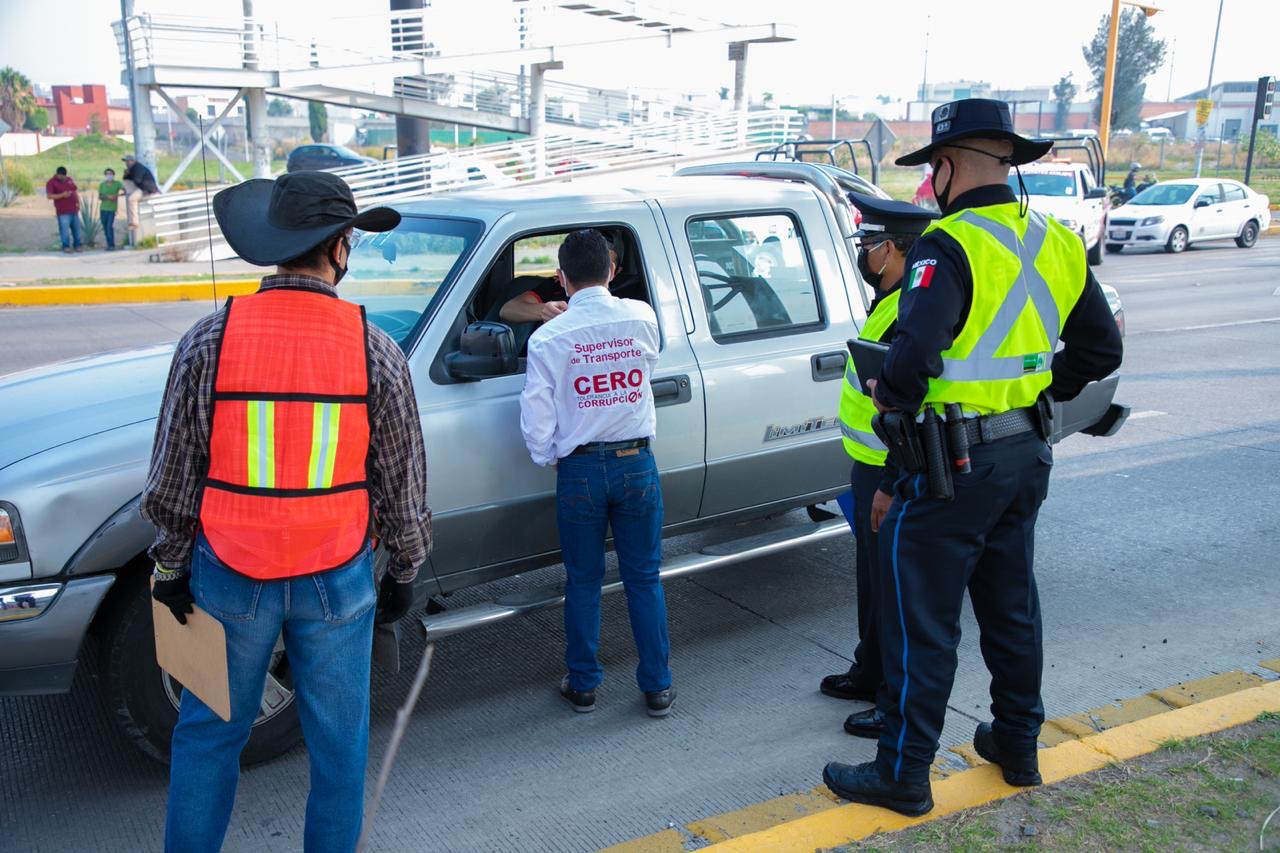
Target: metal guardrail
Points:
(182, 219)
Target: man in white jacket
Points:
(587, 410)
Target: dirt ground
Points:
(29, 225)
(1202, 794)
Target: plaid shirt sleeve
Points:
(397, 460)
(180, 455)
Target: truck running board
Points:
(438, 625)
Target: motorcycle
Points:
(1119, 195)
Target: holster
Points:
(1044, 416)
(901, 436)
(936, 457)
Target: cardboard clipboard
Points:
(868, 360)
(195, 654)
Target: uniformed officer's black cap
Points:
(977, 118)
(887, 216)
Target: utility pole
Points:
(1109, 77)
(144, 132)
(1208, 91)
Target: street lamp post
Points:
(1109, 75)
(1208, 93)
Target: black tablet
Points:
(868, 360)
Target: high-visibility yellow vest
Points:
(1028, 274)
(856, 408)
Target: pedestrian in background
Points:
(889, 230)
(288, 435)
(138, 183)
(62, 191)
(109, 192)
(991, 289)
(587, 410)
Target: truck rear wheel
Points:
(144, 699)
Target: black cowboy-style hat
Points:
(889, 216)
(269, 222)
(977, 118)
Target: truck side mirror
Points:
(1096, 192)
(486, 349)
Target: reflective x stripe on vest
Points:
(286, 492)
(1028, 273)
(856, 408)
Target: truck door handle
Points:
(670, 390)
(826, 366)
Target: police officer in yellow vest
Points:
(990, 290)
(889, 229)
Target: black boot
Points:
(1022, 770)
(582, 701)
(866, 724)
(862, 784)
(848, 685)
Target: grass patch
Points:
(1203, 793)
(87, 156)
(12, 250)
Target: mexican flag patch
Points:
(921, 274)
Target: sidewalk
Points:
(123, 265)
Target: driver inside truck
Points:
(546, 298)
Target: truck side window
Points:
(525, 271)
(754, 273)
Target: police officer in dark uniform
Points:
(889, 229)
(990, 290)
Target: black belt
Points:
(610, 446)
(989, 428)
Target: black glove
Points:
(175, 594)
(394, 600)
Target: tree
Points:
(37, 120)
(16, 98)
(1063, 94)
(95, 124)
(193, 115)
(279, 107)
(318, 115)
(1139, 54)
(724, 93)
(768, 98)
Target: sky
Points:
(859, 48)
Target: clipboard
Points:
(195, 654)
(868, 360)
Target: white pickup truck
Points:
(1070, 193)
(751, 270)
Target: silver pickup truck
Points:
(751, 270)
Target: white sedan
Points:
(1175, 214)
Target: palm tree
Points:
(16, 99)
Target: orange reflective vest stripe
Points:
(286, 493)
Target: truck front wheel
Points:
(144, 699)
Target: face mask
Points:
(339, 272)
(943, 195)
(872, 278)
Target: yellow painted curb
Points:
(101, 294)
(980, 785)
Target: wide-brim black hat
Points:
(977, 118)
(269, 222)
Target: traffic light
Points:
(1268, 97)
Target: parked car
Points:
(323, 156)
(1174, 214)
(1158, 133)
(1069, 193)
(746, 389)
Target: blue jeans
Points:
(69, 229)
(595, 491)
(108, 218)
(327, 620)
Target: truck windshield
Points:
(1046, 183)
(400, 275)
(1165, 194)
